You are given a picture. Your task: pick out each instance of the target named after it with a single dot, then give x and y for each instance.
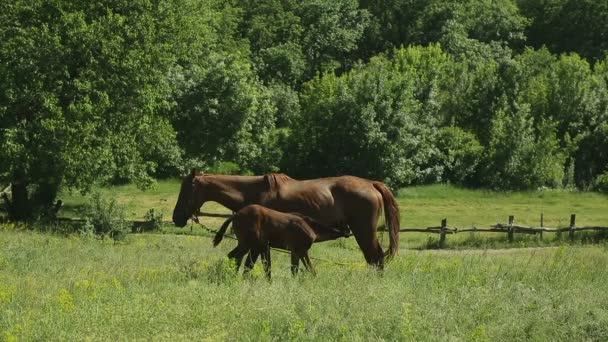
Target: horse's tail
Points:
(391, 214)
(220, 233)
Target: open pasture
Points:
(420, 206)
(172, 286)
(167, 287)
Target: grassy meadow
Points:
(170, 286)
(420, 206)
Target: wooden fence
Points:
(510, 229)
(443, 230)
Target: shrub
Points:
(225, 168)
(601, 183)
(105, 217)
(153, 220)
(460, 153)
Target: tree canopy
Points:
(509, 94)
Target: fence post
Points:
(444, 224)
(542, 224)
(510, 232)
(572, 226)
(542, 220)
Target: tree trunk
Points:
(19, 208)
(23, 206)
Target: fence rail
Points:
(511, 228)
(443, 230)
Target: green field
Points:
(421, 206)
(177, 287)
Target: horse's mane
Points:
(275, 180)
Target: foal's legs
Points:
(237, 255)
(250, 261)
(308, 264)
(266, 260)
(295, 263)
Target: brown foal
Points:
(258, 229)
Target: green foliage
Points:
(131, 91)
(460, 154)
(153, 220)
(332, 29)
(405, 22)
(105, 217)
(568, 25)
(225, 168)
(82, 88)
(484, 21)
(517, 158)
(386, 111)
(224, 113)
(601, 182)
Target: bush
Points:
(225, 168)
(105, 218)
(460, 153)
(601, 183)
(153, 220)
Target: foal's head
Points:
(325, 232)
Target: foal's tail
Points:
(391, 215)
(220, 233)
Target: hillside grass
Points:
(178, 288)
(420, 206)
(175, 286)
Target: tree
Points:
(332, 30)
(405, 22)
(274, 31)
(377, 121)
(223, 113)
(83, 88)
(519, 158)
(460, 154)
(566, 26)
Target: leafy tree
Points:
(404, 22)
(83, 88)
(291, 40)
(223, 113)
(460, 154)
(387, 114)
(568, 26)
(591, 155)
(473, 84)
(274, 31)
(332, 30)
(519, 158)
(561, 90)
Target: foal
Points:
(258, 228)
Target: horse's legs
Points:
(266, 260)
(308, 264)
(363, 227)
(295, 262)
(250, 261)
(237, 255)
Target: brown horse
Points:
(345, 201)
(258, 228)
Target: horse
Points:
(257, 229)
(347, 201)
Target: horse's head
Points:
(189, 199)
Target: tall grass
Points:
(165, 287)
(176, 287)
